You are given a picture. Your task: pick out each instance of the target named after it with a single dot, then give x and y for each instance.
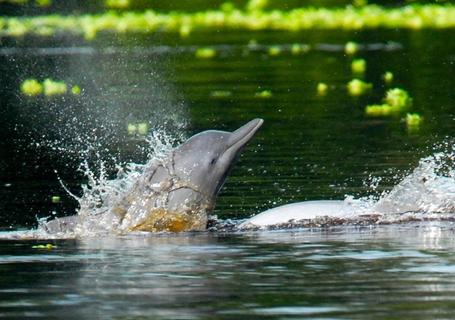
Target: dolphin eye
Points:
(213, 161)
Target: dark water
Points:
(310, 147)
(386, 272)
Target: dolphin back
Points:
(300, 211)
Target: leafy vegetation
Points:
(228, 17)
(357, 87)
(396, 102)
(49, 87)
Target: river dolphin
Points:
(171, 195)
(306, 211)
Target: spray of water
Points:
(427, 193)
(429, 188)
(101, 193)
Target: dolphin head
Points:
(205, 160)
(188, 182)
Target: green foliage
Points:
(379, 110)
(264, 94)
(388, 77)
(31, 87)
(398, 98)
(39, 3)
(43, 3)
(396, 102)
(52, 88)
(76, 90)
(256, 5)
(274, 51)
(413, 119)
(351, 48)
(49, 87)
(205, 53)
(117, 4)
(322, 88)
(357, 87)
(358, 66)
(149, 21)
(297, 48)
(141, 128)
(47, 246)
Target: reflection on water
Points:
(339, 273)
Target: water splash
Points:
(426, 194)
(101, 193)
(429, 188)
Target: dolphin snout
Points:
(244, 134)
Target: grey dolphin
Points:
(293, 213)
(172, 195)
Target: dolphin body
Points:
(293, 214)
(171, 195)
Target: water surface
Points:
(383, 272)
(311, 147)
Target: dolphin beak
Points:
(236, 141)
(242, 135)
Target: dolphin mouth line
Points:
(250, 128)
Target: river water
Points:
(383, 272)
(310, 147)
